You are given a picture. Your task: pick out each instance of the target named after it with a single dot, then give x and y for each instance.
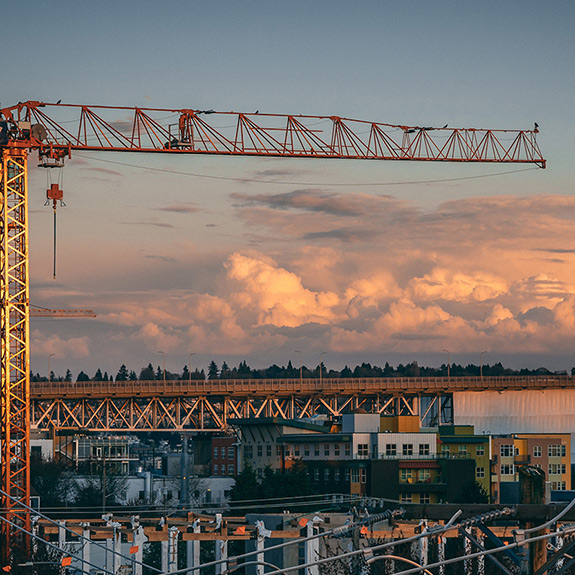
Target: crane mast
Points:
(55, 131)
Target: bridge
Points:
(198, 405)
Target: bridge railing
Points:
(327, 386)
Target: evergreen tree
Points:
(83, 377)
(122, 374)
(133, 376)
(225, 371)
(185, 373)
(98, 376)
(68, 377)
(245, 490)
(346, 372)
(213, 370)
(147, 373)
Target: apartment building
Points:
(460, 442)
(549, 452)
(224, 455)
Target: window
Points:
(556, 468)
(316, 449)
(363, 475)
(424, 498)
(268, 450)
(407, 449)
(445, 450)
(362, 450)
(355, 475)
(326, 449)
(216, 469)
(554, 450)
(216, 453)
(232, 452)
(480, 472)
(424, 476)
(248, 451)
(296, 450)
(347, 449)
(316, 474)
(405, 475)
(480, 450)
(278, 450)
(231, 470)
(306, 450)
(391, 449)
(336, 474)
(563, 450)
(260, 450)
(508, 469)
(405, 497)
(462, 450)
(336, 449)
(347, 474)
(424, 449)
(326, 474)
(537, 451)
(507, 451)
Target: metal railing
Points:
(327, 386)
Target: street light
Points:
(481, 364)
(300, 366)
(448, 362)
(190, 366)
(49, 371)
(164, 364)
(320, 366)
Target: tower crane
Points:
(58, 130)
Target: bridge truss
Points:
(203, 413)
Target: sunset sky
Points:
(366, 261)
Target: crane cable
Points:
(289, 183)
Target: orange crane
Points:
(36, 311)
(55, 131)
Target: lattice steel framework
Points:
(211, 413)
(58, 129)
(14, 315)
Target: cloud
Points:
(179, 209)
(74, 347)
(276, 296)
(313, 200)
(148, 223)
(346, 273)
(443, 284)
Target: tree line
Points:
(243, 371)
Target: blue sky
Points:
(170, 261)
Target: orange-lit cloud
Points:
(353, 274)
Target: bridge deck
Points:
(290, 387)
